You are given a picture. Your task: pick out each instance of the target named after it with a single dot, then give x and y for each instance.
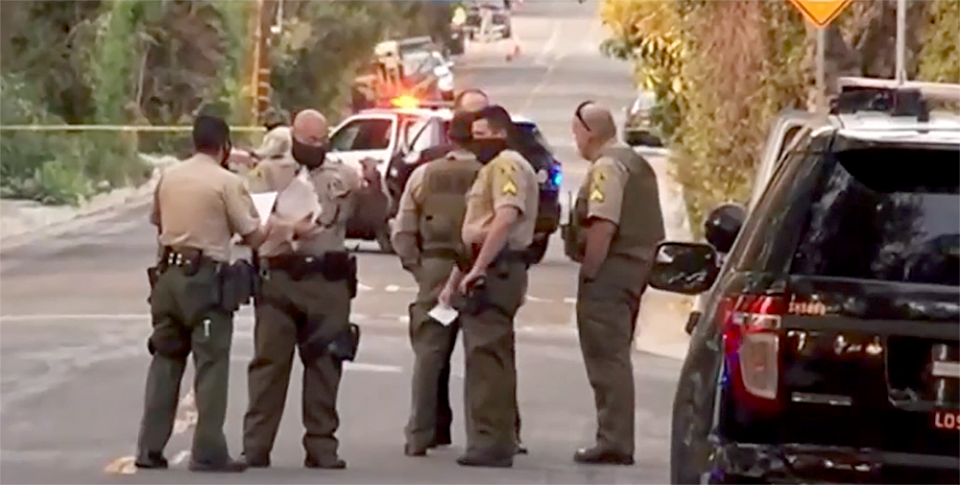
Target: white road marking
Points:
(571, 301)
(550, 45)
(533, 299)
(181, 457)
(384, 320)
(364, 367)
(363, 287)
(391, 288)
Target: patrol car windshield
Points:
(885, 213)
(420, 62)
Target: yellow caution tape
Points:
(123, 128)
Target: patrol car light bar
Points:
(937, 91)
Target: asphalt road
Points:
(73, 327)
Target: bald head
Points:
(599, 121)
(471, 100)
(593, 127)
(310, 127)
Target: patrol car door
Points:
(784, 132)
(365, 135)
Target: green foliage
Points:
(56, 167)
(160, 62)
(940, 54)
(722, 71)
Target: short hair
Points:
(498, 118)
(210, 133)
(460, 127)
(457, 101)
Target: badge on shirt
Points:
(509, 188)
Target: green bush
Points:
(124, 62)
(58, 167)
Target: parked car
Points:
(638, 130)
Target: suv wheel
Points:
(538, 249)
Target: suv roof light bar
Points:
(937, 91)
(897, 99)
(861, 94)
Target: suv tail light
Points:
(751, 345)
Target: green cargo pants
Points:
(430, 413)
(490, 386)
(607, 309)
(291, 313)
(186, 319)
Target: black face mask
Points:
(310, 156)
(486, 148)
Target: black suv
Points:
(419, 149)
(826, 349)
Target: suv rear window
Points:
(885, 213)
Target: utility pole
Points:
(901, 68)
(821, 70)
(260, 64)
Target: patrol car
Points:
(385, 145)
(827, 344)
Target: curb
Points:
(97, 208)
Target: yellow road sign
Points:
(820, 12)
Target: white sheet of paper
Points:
(264, 204)
(443, 314)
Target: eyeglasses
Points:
(580, 115)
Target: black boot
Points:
(254, 460)
(486, 458)
(333, 463)
(600, 456)
(228, 466)
(152, 461)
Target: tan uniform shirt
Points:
(604, 186)
(272, 175)
(334, 186)
(406, 227)
(506, 181)
(199, 204)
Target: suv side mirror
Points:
(685, 268)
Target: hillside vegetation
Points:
(159, 62)
(722, 71)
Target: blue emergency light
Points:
(557, 176)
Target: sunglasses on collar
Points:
(579, 115)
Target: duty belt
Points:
(333, 265)
(190, 259)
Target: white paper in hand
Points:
(264, 203)
(443, 314)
